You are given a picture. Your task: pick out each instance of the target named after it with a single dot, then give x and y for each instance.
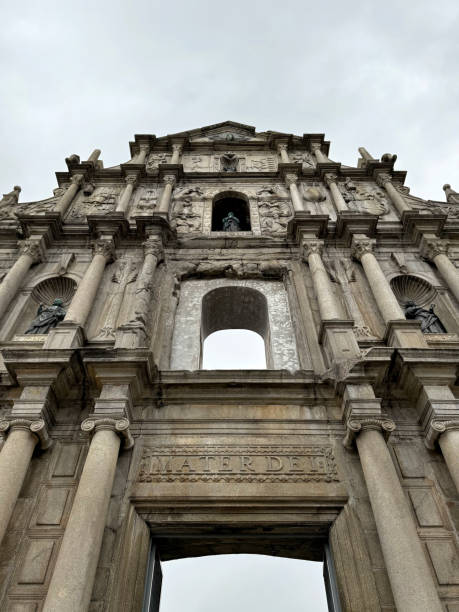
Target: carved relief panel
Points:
(100, 201)
(145, 201)
(274, 209)
(302, 157)
(155, 159)
(365, 197)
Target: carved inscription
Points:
(238, 464)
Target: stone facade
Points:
(113, 437)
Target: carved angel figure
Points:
(185, 219)
(361, 199)
(8, 202)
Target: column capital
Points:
(105, 248)
(330, 177)
(131, 179)
(153, 246)
(177, 147)
(77, 179)
(355, 426)
(37, 428)
(436, 428)
(119, 426)
(291, 179)
(382, 178)
(312, 246)
(361, 245)
(282, 146)
(169, 179)
(32, 248)
(432, 246)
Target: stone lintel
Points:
(349, 223)
(154, 224)
(48, 225)
(305, 223)
(114, 225)
(415, 224)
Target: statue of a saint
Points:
(430, 323)
(47, 318)
(231, 223)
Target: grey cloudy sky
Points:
(76, 76)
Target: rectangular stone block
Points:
(409, 460)
(425, 508)
(51, 507)
(67, 461)
(36, 561)
(22, 606)
(445, 561)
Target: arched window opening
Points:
(234, 349)
(230, 213)
(239, 311)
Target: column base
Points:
(405, 334)
(66, 335)
(338, 339)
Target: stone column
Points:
(282, 148)
(328, 307)
(384, 180)
(23, 435)
(176, 153)
(164, 204)
(436, 250)
(321, 158)
(73, 578)
(297, 200)
(446, 433)
(86, 292)
(123, 203)
(338, 200)
(135, 331)
(75, 183)
(362, 249)
(365, 155)
(410, 577)
(30, 252)
(141, 156)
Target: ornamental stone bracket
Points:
(355, 426)
(119, 426)
(38, 428)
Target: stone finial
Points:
(382, 178)
(452, 197)
(431, 247)
(390, 158)
(32, 248)
(119, 426)
(312, 247)
(105, 248)
(361, 246)
(355, 426)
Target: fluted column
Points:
(176, 153)
(73, 578)
(411, 580)
(322, 285)
(164, 204)
(297, 200)
(338, 200)
(123, 203)
(362, 249)
(282, 148)
(30, 252)
(436, 250)
(15, 455)
(321, 158)
(139, 321)
(384, 180)
(86, 292)
(75, 183)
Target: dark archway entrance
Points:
(231, 203)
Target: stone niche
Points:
(264, 311)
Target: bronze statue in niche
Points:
(430, 323)
(231, 223)
(47, 317)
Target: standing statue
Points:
(8, 202)
(231, 223)
(229, 162)
(430, 323)
(452, 197)
(47, 318)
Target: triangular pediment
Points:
(228, 131)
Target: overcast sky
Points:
(85, 75)
(76, 76)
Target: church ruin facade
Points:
(119, 450)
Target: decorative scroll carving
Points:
(37, 427)
(354, 427)
(119, 426)
(435, 429)
(238, 463)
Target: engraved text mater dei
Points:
(238, 464)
